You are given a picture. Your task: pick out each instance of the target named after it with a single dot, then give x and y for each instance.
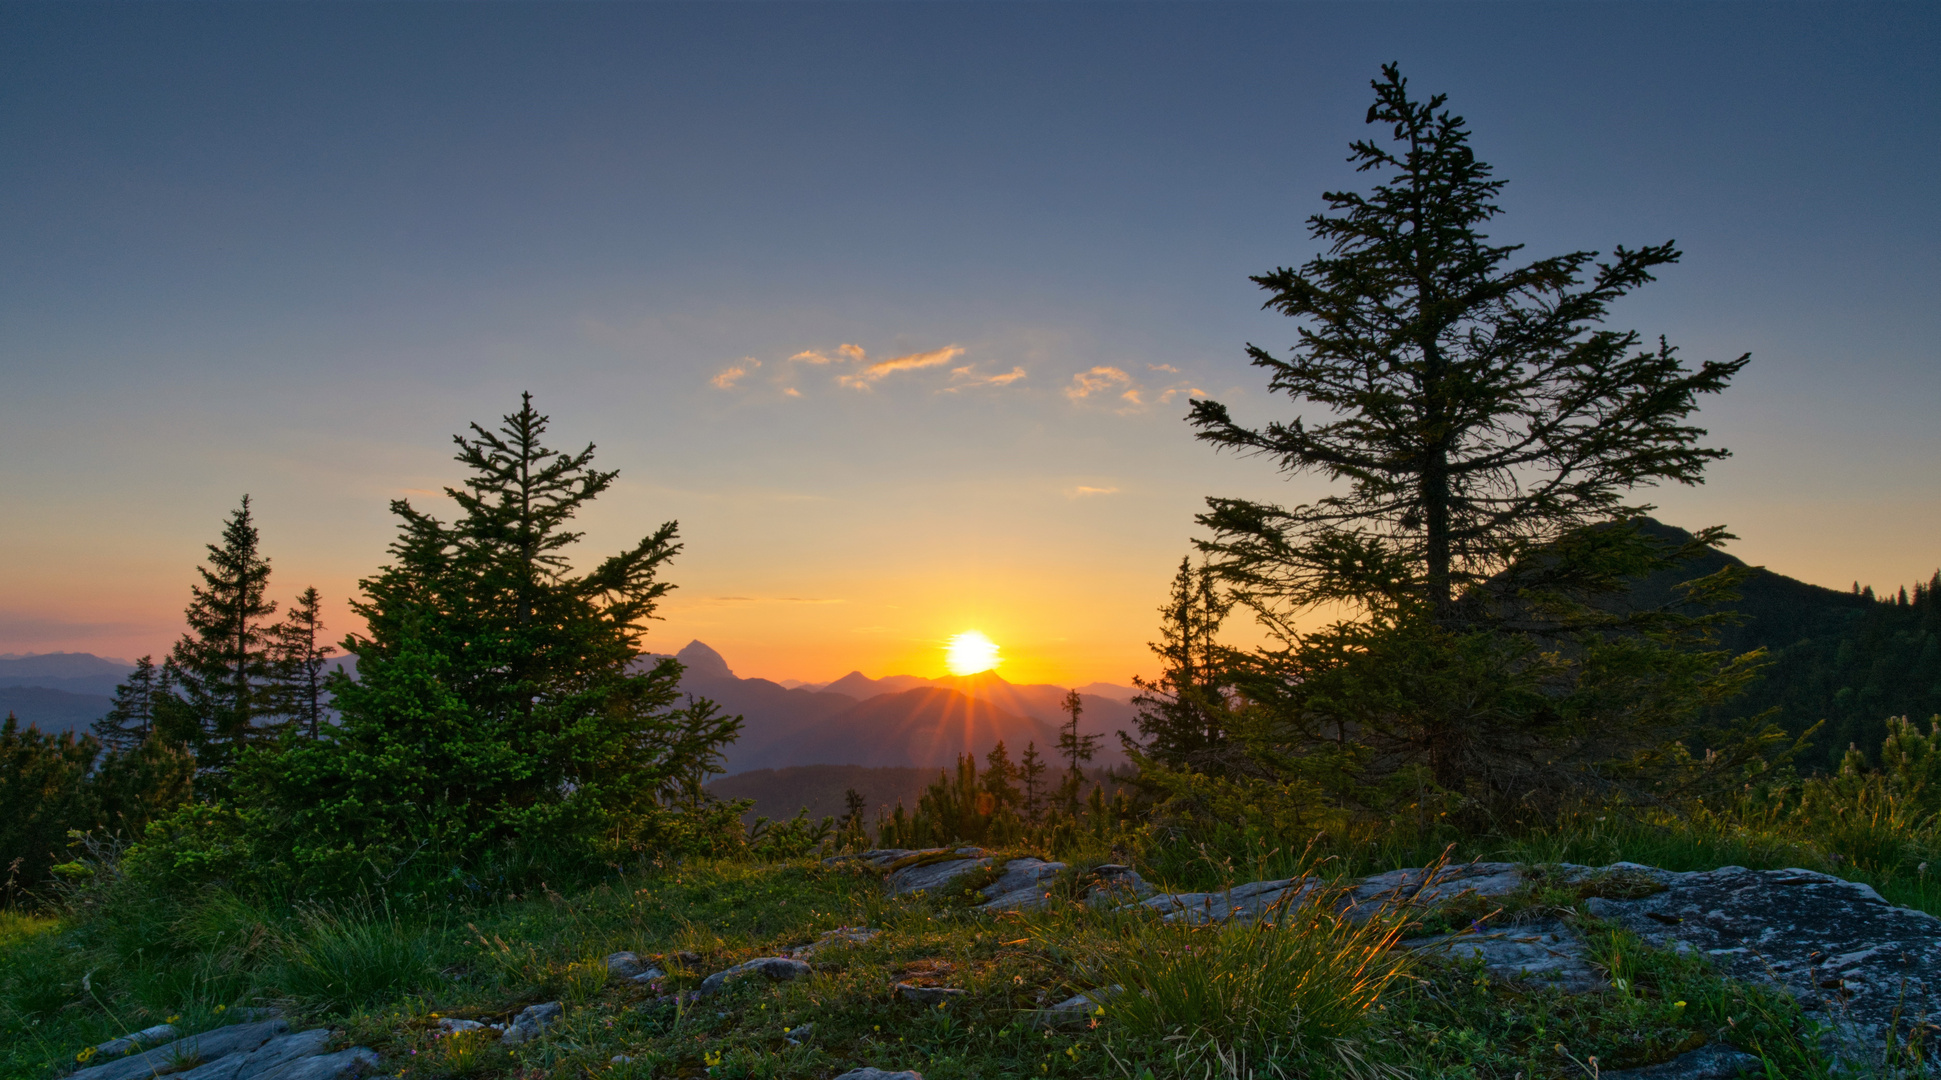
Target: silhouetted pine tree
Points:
(1076, 749)
(221, 665)
(1183, 715)
(1000, 777)
(1031, 774)
(298, 657)
(131, 719)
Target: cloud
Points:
(1162, 367)
(1081, 491)
(1099, 381)
(871, 374)
(854, 352)
(967, 378)
(734, 372)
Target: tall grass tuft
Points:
(344, 960)
(1292, 991)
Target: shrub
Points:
(343, 960)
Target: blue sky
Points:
(289, 249)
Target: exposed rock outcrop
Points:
(775, 968)
(264, 1050)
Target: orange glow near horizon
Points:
(970, 652)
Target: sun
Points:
(969, 653)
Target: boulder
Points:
(1113, 883)
(934, 877)
(776, 968)
(1246, 902)
(1854, 961)
(128, 1044)
(171, 1057)
(652, 974)
(531, 1020)
(841, 935)
(265, 1060)
(342, 1065)
(1545, 953)
(1021, 886)
(625, 965)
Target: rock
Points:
(265, 1060)
(880, 1074)
(652, 974)
(685, 958)
(452, 1025)
(928, 995)
(619, 1059)
(1240, 902)
(796, 1034)
(625, 965)
(531, 1020)
(933, 877)
(881, 858)
(1851, 959)
(127, 1044)
(1089, 1001)
(1430, 886)
(841, 935)
(342, 1065)
(777, 968)
(1543, 953)
(1113, 883)
(1715, 1062)
(170, 1057)
(1021, 886)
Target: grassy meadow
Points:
(1302, 995)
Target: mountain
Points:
(901, 720)
(1845, 658)
(53, 711)
(78, 673)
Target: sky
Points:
(895, 308)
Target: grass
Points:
(1312, 997)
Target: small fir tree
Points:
(1000, 778)
(299, 657)
(1184, 717)
(1076, 749)
(131, 720)
(1031, 777)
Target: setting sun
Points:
(969, 653)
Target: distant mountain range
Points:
(900, 720)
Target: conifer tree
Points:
(222, 666)
(1183, 715)
(1076, 749)
(131, 719)
(1000, 777)
(298, 658)
(498, 699)
(1486, 430)
(1475, 407)
(1031, 773)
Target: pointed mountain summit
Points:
(703, 664)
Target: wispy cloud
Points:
(871, 374)
(1101, 381)
(1106, 382)
(1081, 491)
(969, 378)
(733, 373)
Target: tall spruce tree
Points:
(222, 667)
(299, 657)
(1475, 407)
(1489, 431)
(499, 698)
